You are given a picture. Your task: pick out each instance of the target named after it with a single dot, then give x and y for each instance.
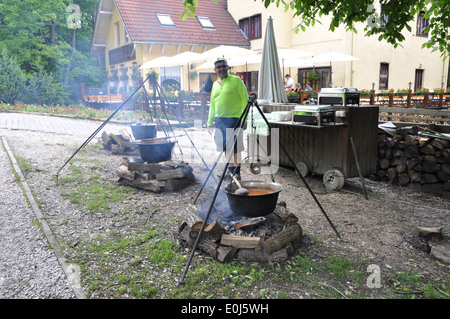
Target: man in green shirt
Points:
(229, 98)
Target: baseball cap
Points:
(221, 60)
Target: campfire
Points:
(133, 171)
(229, 236)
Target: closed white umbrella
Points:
(270, 81)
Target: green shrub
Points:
(12, 79)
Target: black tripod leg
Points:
(238, 124)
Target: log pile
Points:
(119, 144)
(414, 161)
(273, 238)
(155, 177)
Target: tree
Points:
(12, 79)
(44, 89)
(348, 12)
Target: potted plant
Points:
(386, 92)
(421, 92)
(293, 97)
(312, 76)
(153, 76)
(402, 92)
(114, 77)
(439, 91)
(365, 92)
(313, 93)
(193, 75)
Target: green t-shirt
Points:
(228, 99)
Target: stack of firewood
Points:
(411, 160)
(119, 144)
(155, 177)
(247, 241)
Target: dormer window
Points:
(205, 22)
(165, 19)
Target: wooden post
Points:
(441, 99)
(372, 97)
(408, 99)
(391, 100)
(425, 100)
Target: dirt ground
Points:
(376, 229)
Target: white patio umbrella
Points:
(270, 80)
(156, 63)
(226, 51)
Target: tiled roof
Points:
(142, 24)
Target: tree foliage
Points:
(12, 79)
(38, 34)
(400, 14)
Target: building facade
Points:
(130, 33)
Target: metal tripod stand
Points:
(239, 124)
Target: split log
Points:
(384, 163)
(212, 232)
(176, 184)
(440, 143)
(118, 139)
(180, 172)
(249, 223)
(285, 215)
(207, 246)
(403, 179)
(428, 232)
(428, 179)
(391, 174)
(226, 253)
(427, 149)
(430, 164)
(124, 173)
(125, 135)
(259, 255)
(141, 183)
(278, 241)
(146, 167)
(240, 241)
(106, 141)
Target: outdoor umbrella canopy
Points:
(226, 51)
(156, 63)
(270, 82)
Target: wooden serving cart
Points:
(344, 149)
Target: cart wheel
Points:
(333, 180)
(303, 169)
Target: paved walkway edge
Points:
(72, 271)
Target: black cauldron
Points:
(261, 200)
(156, 152)
(141, 131)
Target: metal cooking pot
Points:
(141, 131)
(156, 152)
(261, 201)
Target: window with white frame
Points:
(205, 22)
(165, 19)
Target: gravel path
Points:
(29, 268)
(29, 265)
